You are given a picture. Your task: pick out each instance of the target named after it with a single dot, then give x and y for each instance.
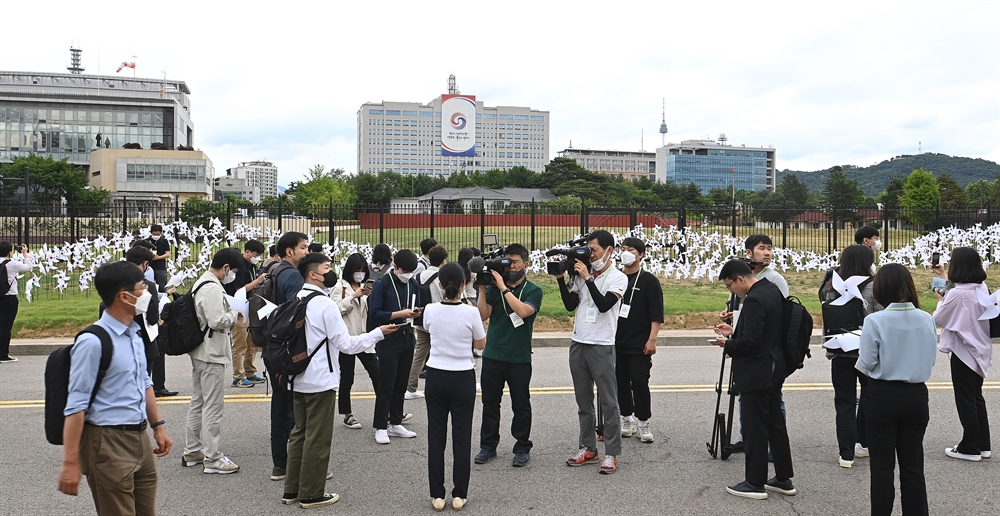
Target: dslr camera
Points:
(483, 266)
(578, 250)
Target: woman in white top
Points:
(968, 340)
(351, 295)
(450, 385)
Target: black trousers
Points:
(897, 415)
(394, 360)
(763, 426)
(518, 379)
(370, 361)
(971, 406)
(632, 372)
(160, 277)
(282, 420)
(8, 312)
(449, 392)
(850, 409)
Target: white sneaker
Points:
(985, 454)
(407, 417)
(222, 466)
(953, 453)
(400, 431)
(415, 395)
(860, 452)
(381, 436)
(628, 427)
(846, 463)
(645, 434)
(479, 387)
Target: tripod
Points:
(722, 430)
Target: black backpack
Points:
(798, 333)
(845, 318)
(424, 298)
(57, 381)
(287, 351)
(265, 290)
(181, 332)
(5, 282)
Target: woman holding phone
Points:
(450, 386)
(898, 348)
(351, 295)
(968, 340)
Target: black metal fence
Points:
(456, 225)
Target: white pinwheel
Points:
(989, 301)
(848, 289)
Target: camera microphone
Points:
(553, 252)
(477, 264)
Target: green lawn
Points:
(687, 304)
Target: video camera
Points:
(483, 266)
(751, 262)
(577, 251)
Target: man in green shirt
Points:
(510, 305)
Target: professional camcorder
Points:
(751, 262)
(482, 266)
(577, 251)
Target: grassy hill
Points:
(874, 179)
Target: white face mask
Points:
(229, 277)
(600, 263)
(155, 237)
(877, 245)
(627, 258)
(359, 277)
(405, 276)
(255, 260)
(141, 302)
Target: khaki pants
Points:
(244, 351)
(120, 470)
(309, 444)
(420, 353)
(205, 410)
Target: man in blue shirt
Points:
(112, 428)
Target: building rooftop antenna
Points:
(723, 139)
(74, 56)
(663, 124)
(452, 85)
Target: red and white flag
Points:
(126, 64)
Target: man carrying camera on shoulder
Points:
(595, 295)
(510, 304)
(8, 298)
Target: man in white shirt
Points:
(8, 301)
(314, 391)
(595, 294)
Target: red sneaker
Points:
(610, 464)
(584, 456)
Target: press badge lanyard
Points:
(514, 318)
(398, 302)
(627, 307)
(592, 311)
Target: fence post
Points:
(177, 209)
(835, 224)
(734, 217)
(432, 216)
(682, 217)
(532, 224)
(584, 222)
(633, 220)
(482, 221)
(280, 206)
(885, 228)
(333, 224)
(381, 222)
(72, 222)
(20, 224)
(784, 225)
(124, 214)
(229, 214)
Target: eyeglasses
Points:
(729, 285)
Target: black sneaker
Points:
(747, 490)
(784, 487)
(277, 473)
(289, 498)
(736, 447)
(520, 459)
(326, 499)
(484, 456)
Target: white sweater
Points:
(452, 329)
(353, 310)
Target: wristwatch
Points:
(505, 292)
(158, 423)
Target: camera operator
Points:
(510, 304)
(8, 302)
(592, 353)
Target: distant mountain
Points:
(874, 179)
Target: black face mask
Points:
(330, 279)
(513, 276)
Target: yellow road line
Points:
(558, 390)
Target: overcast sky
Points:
(825, 83)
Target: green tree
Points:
(794, 191)
(50, 179)
(920, 197)
(952, 195)
(979, 193)
(495, 178)
(561, 170)
(841, 192)
(198, 212)
(567, 205)
(522, 177)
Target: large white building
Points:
(405, 137)
(251, 180)
(631, 165)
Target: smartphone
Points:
(935, 259)
(369, 283)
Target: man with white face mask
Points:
(161, 254)
(639, 322)
(244, 351)
(868, 236)
(595, 294)
(208, 363)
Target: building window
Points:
(374, 111)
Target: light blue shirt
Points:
(898, 344)
(121, 400)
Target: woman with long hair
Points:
(968, 340)
(381, 261)
(856, 260)
(450, 386)
(898, 348)
(351, 295)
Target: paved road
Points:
(674, 475)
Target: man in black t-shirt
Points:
(244, 351)
(635, 342)
(160, 256)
